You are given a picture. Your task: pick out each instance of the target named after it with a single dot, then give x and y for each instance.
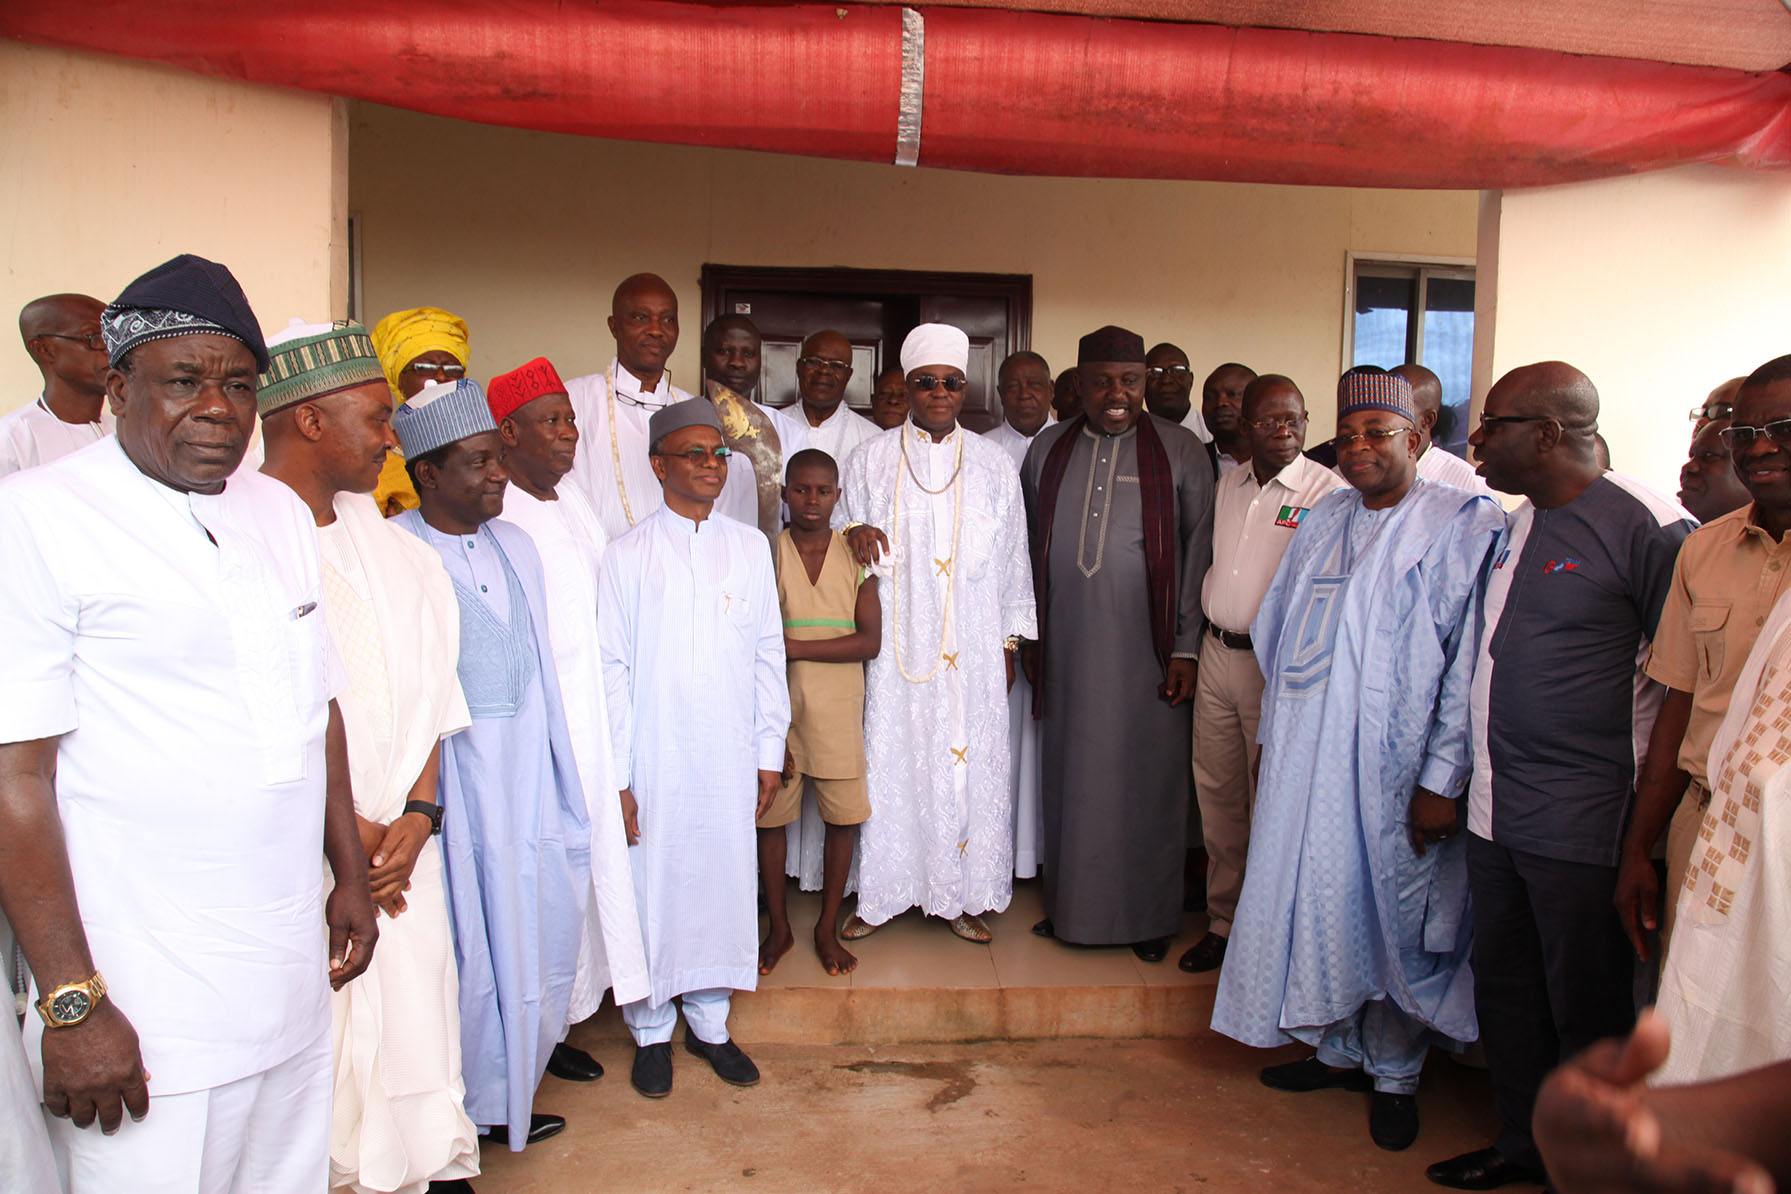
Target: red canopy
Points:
(1014, 92)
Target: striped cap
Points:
(1376, 391)
(439, 414)
(311, 360)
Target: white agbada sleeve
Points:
(1019, 614)
(615, 638)
(770, 680)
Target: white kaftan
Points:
(33, 435)
(838, 433)
(400, 1115)
(692, 643)
(956, 582)
(1023, 730)
(571, 542)
(612, 466)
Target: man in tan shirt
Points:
(1729, 575)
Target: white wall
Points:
(525, 235)
(113, 167)
(1657, 286)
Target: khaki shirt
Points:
(1729, 576)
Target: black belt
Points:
(1237, 642)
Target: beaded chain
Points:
(951, 573)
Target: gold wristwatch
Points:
(72, 1003)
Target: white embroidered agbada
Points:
(612, 467)
(941, 833)
(839, 433)
(571, 542)
(400, 1118)
(692, 645)
(1023, 730)
(1726, 990)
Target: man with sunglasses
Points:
(1730, 574)
(416, 347)
(689, 631)
(1568, 607)
(1352, 933)
(62, 334)
(1718, 406)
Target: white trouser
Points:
(705, 1016)
(268, 1133)
(25, 1163)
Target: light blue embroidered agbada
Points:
(515, 833)
(1366, 638)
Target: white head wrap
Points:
(936, 344)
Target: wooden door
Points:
(874, 310)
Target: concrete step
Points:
(916, 982)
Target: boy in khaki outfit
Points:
(832, 625)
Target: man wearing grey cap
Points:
(693, 666)
(172, 764)
(515, 833)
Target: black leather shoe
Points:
(1482, 1169)
(540, 1128)
(1044, 928)
(573, 1065)
(1393, 1120)
(730, 1065)
(652, 1074)
(1313, 1074)
(1205, 954)
(454, 1185)
(1154, 950)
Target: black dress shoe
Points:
(730, 1065)
(1044, 928)
(1393, 1120)
(1313, 1074)
(454, 1185)
(541, 1126)
(1482, 1169)
(573, 1065)
(1205, 954)
(1154, 950)
(652, 1074)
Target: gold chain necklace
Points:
(615, 447)
(951, 571)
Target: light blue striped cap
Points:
(439, 414)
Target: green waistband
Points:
(837, 623)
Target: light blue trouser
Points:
(1383, 1042)
(705, 1015)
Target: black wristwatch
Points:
(429, 809)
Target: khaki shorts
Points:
(842, 802)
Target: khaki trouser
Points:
(1227, 707)
(1682, 840)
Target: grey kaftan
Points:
(1115, 754)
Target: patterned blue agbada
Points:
(1366, 638)
(516, 838)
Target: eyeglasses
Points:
(92, 340)
(696, 456)
(431, 369)
(1160, 371)
(926, 383)
(1374, 437)
(1487, 420)
(824, 363)
(1278, 424)
(1712, 411)
(1740, 439)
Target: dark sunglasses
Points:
(927, 382)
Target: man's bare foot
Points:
(773, 949)
(836, 957)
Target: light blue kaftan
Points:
(516, 838)
(1344, 938)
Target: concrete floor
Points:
(1143, 1116)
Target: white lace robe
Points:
(941, 833)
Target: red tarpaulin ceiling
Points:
(1015, 92)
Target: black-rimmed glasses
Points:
(695, 456)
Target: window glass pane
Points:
(1449, 353)
(1383, 313)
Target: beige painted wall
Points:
(525, 235)
(112, 167)
(1658, 287)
